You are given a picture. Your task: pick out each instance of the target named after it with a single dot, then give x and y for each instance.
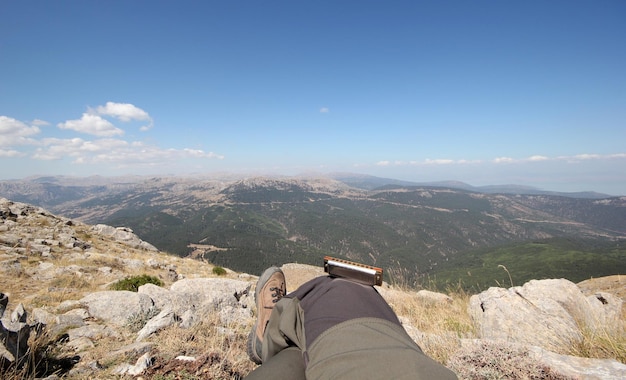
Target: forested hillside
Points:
(421, 234)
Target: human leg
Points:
(287, 364)
(271, 341)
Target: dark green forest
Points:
(425, 237)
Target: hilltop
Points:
(57, 276)
(432, 232)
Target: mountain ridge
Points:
(256, 222)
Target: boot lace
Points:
(279, 292)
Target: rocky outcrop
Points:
(546, 313)
(539, 320)
(124, 235)
(497, 359)
(14, 334)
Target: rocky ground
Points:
(60, 317)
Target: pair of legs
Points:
(332, 328)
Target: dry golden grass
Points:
(609, 342)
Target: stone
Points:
(116, 307)
(162, 320)
(161, 297)
(209, 292)
(133, 349)
(91, 331)
(544, 313)
(497, 359)
(81, 344)
(123, 235)
(583, 368)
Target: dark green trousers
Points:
(337, 329)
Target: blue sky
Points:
(485, 92)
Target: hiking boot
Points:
(270, 288)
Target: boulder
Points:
(116, 307)
(206, 294)
(544, 313)
(484, 358)
(123, 235)
(14, 333)
(162, 320)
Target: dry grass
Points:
(608, 342)
(225, 344)
(442, 323)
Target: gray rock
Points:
(68, 305)
(142, 363)
(483, 358)
(4, 301)
(545, 313)
(42, 316)
(92, 331)
(10, 266)
(81, 344)
(19, 314)
(137, 348)
(577, 367)
(116, 306)
(205, 294)
(162, 298)
(606, 309)
(14, 333)
(123, 235)
(162, 320)
(70, 320)
(230, 315)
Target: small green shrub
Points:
(133, 283)
(217, 270)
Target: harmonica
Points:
(361, 273)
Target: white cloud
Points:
(14, 132)
(324, 110)
(115, 151)
(200, 154)
(8, 153)
(122, 111)
(40, 123)
(438, 161)
(501, 160)
(93, 125)
(428, 161)
(587, 156)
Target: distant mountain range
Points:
(370, 183)
(432, 231)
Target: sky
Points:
(485, 92)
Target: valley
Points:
(425, 235)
